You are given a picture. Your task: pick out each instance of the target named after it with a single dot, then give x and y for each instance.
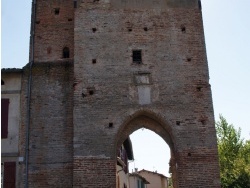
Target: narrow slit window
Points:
(137, 56)
(75, 4)
(66, 52)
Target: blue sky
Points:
(227, 28)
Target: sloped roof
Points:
(139, 176)
(11, 70)
(155, 173)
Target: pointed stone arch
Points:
(154, 122)
(145, 119)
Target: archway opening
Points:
(151, 152)
(157, 135)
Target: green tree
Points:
(234, 156)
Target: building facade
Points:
(10, 125)
(124, 154)
(102, 69)
(155, 179)
(137, 181)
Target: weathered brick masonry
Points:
(54, 29)
(51, 128)
(84, 107)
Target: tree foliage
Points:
(234, 156)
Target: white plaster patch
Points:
(144, 95)
(142, 79)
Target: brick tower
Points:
(105, 68)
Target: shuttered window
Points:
(9, 175)
(4, 117)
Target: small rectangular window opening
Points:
(93, 61)
(111, 125)
(137, 56)
(199, 88)
(66, 52)
(57, 11)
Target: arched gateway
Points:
(132, 64)
(148, 119)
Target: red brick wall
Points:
(174, 57)
(53, 31)
(94, 172)
(51, 124)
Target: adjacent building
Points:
(137, 181)
(125, 154)
(155, 179)
(10, 125)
